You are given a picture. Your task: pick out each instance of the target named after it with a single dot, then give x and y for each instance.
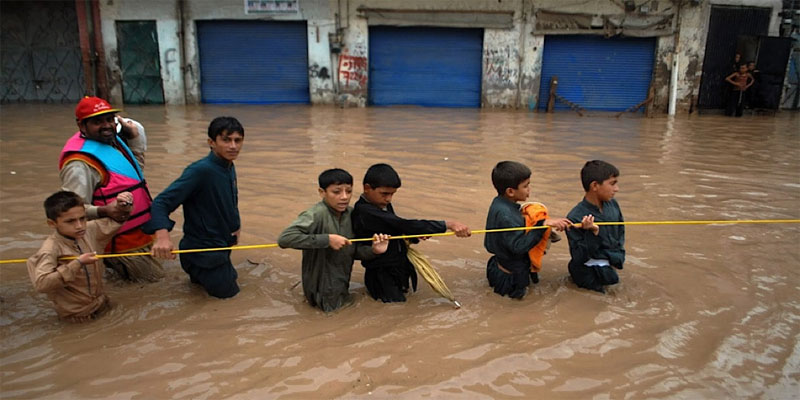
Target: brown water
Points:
(702, 311)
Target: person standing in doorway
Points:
(741, 81)
(754, 93)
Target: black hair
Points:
(334, 176)
(509, 174)
(60, 202)
(597, 171)
(382, 175)
(224, 124)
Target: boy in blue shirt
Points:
(508, 270)
(597, 252)
(209, 195)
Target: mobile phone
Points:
(118, 125)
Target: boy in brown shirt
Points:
(74, 286)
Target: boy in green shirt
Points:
(323, 233)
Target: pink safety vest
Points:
(123, 175)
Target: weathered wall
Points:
(320, 66)
(530, 64)
(501, 67)
(693, 27)
(533, 61)
(792, 82)
(352, 69)
(662, 73)
(164, 12)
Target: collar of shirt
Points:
(367, 201)
(68, 241)
(333, 211)
(219, 161)
(508, 203)
(594, 209)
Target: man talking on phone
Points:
(106, 157)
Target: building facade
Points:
(602, 54)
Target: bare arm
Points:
(730, 80)
(135, 137)
(750, 81)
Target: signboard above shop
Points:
(281, 7)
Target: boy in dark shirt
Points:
(207, 190)
(595, 251)
(508, 268)
(387, 275)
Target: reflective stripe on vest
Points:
(124, 174)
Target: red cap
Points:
(91, 106)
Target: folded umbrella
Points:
(426, 271)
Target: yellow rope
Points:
(520, 228)
(144, 253)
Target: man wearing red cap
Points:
(97, 163)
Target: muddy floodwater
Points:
(703, 311)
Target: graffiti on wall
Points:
(352, 71)
(315, 71)
(170, 56)
(501, 66)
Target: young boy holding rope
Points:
(323, 232)
(208, 193)
(508, 269)
(595, 251)
(387, 275)
(75, 286)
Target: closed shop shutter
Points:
(597, 73)
(258, 62)
(438, 67)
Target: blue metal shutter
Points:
(597, 73)
(256, 62)
(438, 67)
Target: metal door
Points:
(139, 60)
(40, 52)
(260, 62)
(597, 73)
(425, 66)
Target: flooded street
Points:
(702, 311)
